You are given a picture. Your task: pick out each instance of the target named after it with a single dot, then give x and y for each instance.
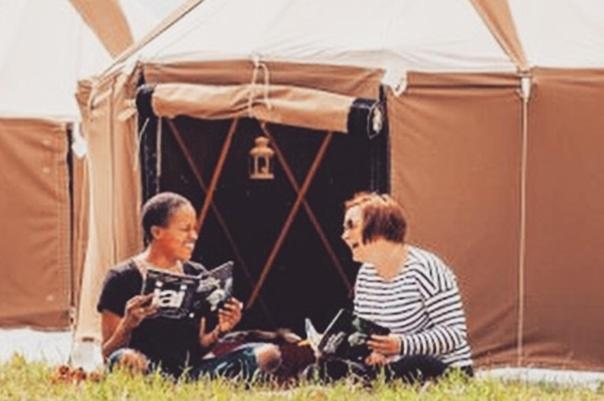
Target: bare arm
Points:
(228, 317)
(116, 330)
(208, 338)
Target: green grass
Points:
(24, 381)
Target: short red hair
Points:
(382, 217)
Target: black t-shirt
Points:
(172, 343)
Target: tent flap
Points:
(115, 194)
(277, 104)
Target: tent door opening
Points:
(283, 233)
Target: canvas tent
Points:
(492, 141)
(45, 47)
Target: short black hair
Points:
(158, 210)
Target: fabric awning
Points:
(278, 104)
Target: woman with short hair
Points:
(406, 289)
(137, 339)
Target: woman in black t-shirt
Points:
(134, 338)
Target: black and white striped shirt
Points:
(422, 304)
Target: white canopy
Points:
(561, 33)
(45, 47)
(406, 35)
(427, 35)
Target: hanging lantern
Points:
(261, 160)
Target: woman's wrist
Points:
(126, 325)
(216, 333)
(210, 338)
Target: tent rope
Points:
(139, 142)
(258, 65)
(158, 157)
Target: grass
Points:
(23, 381)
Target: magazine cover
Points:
(172, 293)
(346, 336)
(214, 288)
(181, 296)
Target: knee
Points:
(129, 360)
(268, 357)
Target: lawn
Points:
(24, 381)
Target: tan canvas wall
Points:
(115, 192)
(455, 159)
(35, 215)
(350, 81)
(126, 176)
(80, 199)
(84, 89)
(563, 324)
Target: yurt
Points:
(481, 117)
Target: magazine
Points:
(181, 296)
(346, 336)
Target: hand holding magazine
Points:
(181, 296)
(345, 337)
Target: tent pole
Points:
(221, 222)
(217, 171)
(170, 20)
(311, 215)
(525, 94)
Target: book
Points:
(180, 296)
(346, 336)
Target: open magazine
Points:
(181, 296)
(345, 337)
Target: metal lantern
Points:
(261, 160)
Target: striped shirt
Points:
(422, 304)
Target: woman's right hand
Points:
(229, 315)
(138, 308)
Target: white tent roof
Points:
(427, 35)
(140, 19)
(561, 33)
(45, 47)
(399, 36)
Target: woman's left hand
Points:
(385, 345)
(376, 359)
(229, 315)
